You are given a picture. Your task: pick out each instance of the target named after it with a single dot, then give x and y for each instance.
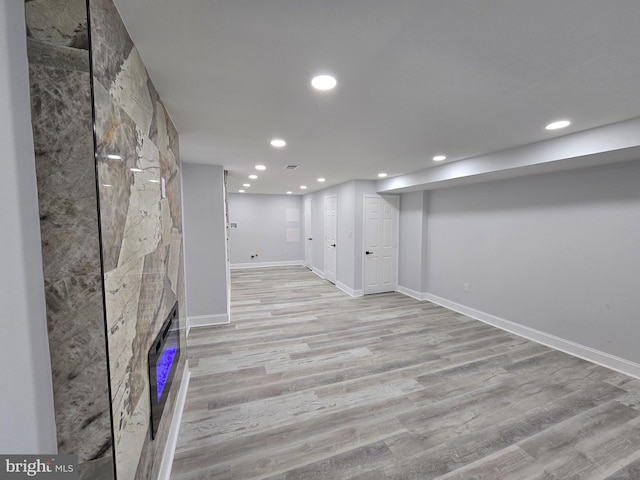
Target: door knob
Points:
(333, 245)
(368, 252)
(309, 238)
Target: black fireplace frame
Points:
(168, 337)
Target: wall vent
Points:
(290, 167)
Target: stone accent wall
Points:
(136, 150)
(63, 140)
(102, 197)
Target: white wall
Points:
(262, 229)
(26, 397)
(204, 243)
(557, 253)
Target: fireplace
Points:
(163, 360)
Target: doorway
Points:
(380, 263)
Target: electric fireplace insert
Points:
(163, 361)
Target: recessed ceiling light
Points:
(382, 174)
(439, 158)
(289, 193)
(323, 82)
(114, 157)
(260, 167)
(322, 179)
(303, 187)
(107, 185)
(154, 181)
(136, 170)
(278, 143)
(557, 125)
(241, 191)
(253, 177)
(247, 185)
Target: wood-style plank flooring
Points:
(309, 383)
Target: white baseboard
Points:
(411, 293)
(174, 429)
(238, 266)
(348, 290)
(577, 350)
(567, 346)
(207, 320)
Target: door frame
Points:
(396, 236)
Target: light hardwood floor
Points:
(309, 383)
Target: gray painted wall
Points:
(345, 239)
(557, 253)
(262, 228)
(26, 397)
(204, 231)
(413, 242)
(317, 227)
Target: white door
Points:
(308, 238)
(380, 244)
(330, 230)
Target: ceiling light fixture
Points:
(114, 157)
(439, 158)
(247, 185)
(260, 167)
(278, 143)
(558, 125)
(321, 179)
(382, 175)
(289, 193)
(136, 170)
(303, 187)
(241, 191)
(323, 82)
(253, 177)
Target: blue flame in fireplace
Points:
(163, 366)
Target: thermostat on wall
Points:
(233, 225)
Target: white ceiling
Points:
(416, 78)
